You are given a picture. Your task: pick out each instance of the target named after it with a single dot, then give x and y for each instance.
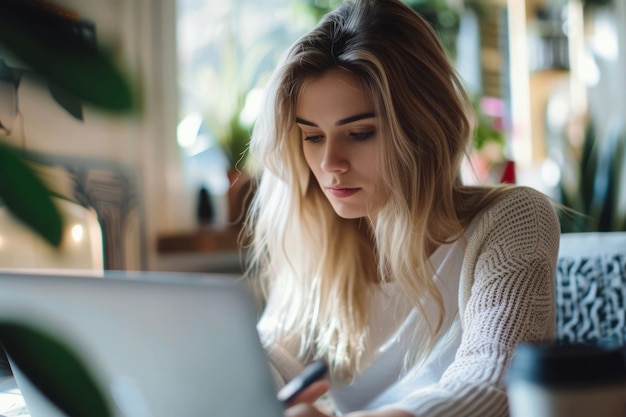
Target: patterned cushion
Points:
(591, 298)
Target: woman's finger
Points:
(304, 410)
(311, 393)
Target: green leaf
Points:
(588, 167)
(68, 101)
(596, 3)
(617, 184)
(54, 369)
(63, 50)
(27, 197)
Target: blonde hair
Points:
(322, 268)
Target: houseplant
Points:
(593, 180)
(233, 77)
(595, 190)
(46, 40)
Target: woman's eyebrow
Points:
(341, 122)
(305, 122)
(355, 118)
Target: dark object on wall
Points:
(206, 211)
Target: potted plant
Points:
(45, 38)
(595, 189)
(237, 75)
(235, 145)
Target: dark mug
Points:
(573, 380)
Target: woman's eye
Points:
(361, 135)
(313, 138)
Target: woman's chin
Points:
(348, 212)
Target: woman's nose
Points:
(334, 158)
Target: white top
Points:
(498, 290)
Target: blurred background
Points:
(165, 188)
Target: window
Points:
(226, 51)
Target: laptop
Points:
(158, 344)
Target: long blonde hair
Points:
(321, 268)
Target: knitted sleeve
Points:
(506, 297)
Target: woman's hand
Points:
(304, 410)
(302, 404)
(307, 410)
(381, 413)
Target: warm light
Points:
(2, 242)
(251, 107)
(188, 129)
(605, 39)
(590, 72)
(77, 233)
(550, 173)
(558, 112)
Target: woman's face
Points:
(340, 140)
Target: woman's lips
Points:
(340, 192)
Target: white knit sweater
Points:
(498, 290)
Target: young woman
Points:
(411, 286)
